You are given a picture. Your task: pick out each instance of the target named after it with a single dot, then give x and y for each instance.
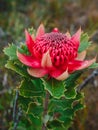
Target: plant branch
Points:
(45, 105)
(15, 105)
(16, 113)
(87, 80)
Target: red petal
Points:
(40, 30)
(63, 76)
(68, 34)
(28, 60)
(79, 65)
(81, 56)
(37, 72)
(76, 37)
(55, 72)
(29, 42)
(46, 60)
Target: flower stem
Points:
(45, 105)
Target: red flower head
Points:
(54, 54)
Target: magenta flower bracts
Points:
(54, 54)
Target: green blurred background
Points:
(16, 15)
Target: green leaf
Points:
(11, 52)
(23, 49)
(71, 84)
(54, 124)
(94, 65)
(58, 105)
(78, 106)
(32, 31)
(29, 122)
(79, 96)
(24, 102)
(70, 93)
(56, 88)
(35, 109)
(36, 122)
(68, 113)
(18, 69)
(84, 43)
(71, 81)
(67, 123)
(31, 88)
(61, 104)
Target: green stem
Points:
(45, 105)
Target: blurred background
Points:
(16, 15)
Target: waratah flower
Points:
(54, 54)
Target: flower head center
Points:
(58, 44)
(52, 40)
(55, 38)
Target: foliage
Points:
(17, 15)
(64, 100)
(85, 43)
